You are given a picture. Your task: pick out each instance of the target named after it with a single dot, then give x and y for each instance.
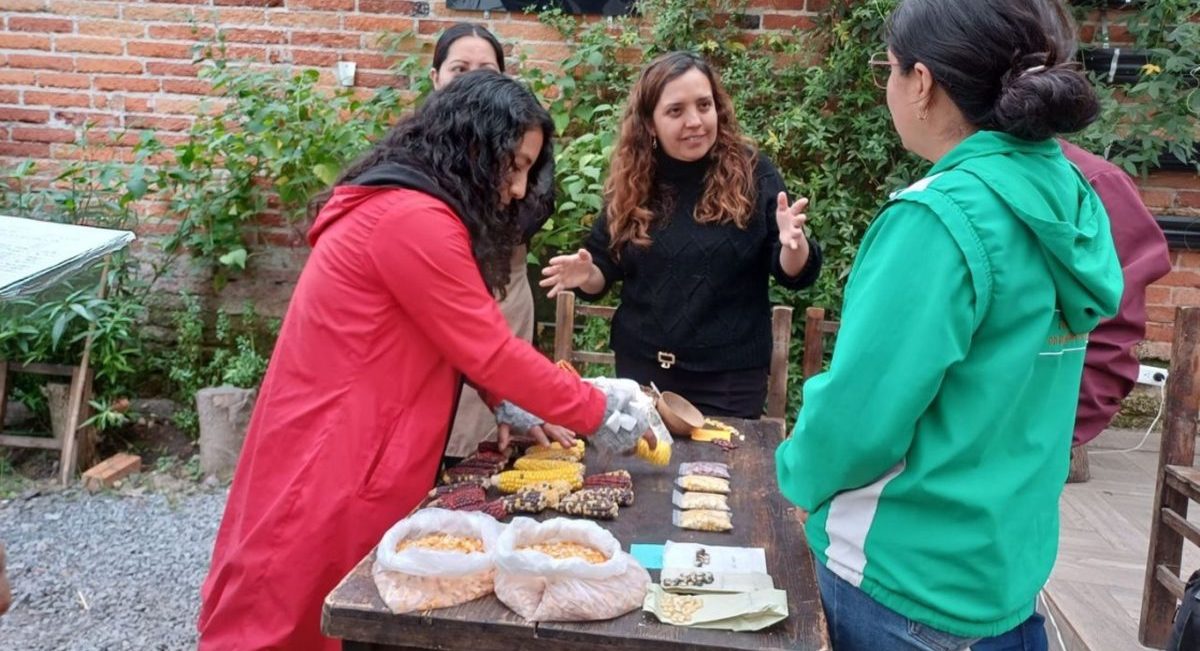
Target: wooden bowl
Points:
(679, 415)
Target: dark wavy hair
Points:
(464, 138)
(441, 50)
(1008, 65)
(729, 184)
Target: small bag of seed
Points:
(692, 500)
(703, 520)
(702, 484)
(705, 469)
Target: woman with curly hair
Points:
(394, 306)
(696, 223)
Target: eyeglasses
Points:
(881, 69)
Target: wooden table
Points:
(354, 612)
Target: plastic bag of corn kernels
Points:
(564, 570)
(435, 559)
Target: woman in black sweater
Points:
(695, 222)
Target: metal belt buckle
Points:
(666, 359)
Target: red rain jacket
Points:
(389, 313)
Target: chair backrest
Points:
(781, 339)
(1178, 482)
(816, 327)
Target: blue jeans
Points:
(1030, 635)
(859, 623)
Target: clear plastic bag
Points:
(423, 579)
(541, 588)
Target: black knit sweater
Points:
(698, 291)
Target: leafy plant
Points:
(1160, 112)
(238, 357)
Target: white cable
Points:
(1050, 618)
(1162, 394)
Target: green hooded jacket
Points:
(932, 453)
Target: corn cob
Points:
(510, 481)
(460, 499)
(478, 478)
(659, 456)
(527, 501)
(616, 478)
(492, 448)
(479, 466)
(529, 463)
(553, 490)
(497, 509)
(622, 496)
(557, 451)
(588, 506)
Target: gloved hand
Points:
(511, 418)
(626, 415)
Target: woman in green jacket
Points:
(931, 455)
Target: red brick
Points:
(40, 25)
(322, 5)
(176, 106)
(429, 27)
(313, 19)
(549, 52)
(82, 8)
(779, 5)
(182, 2)
(160, 50)
(40, 61)
(110, 471)
(180, 32)
(131, 84)
(18, 77)
(10, 96)
(25, 149)
(89, 44)
(267, 36)
(43, 134)
(13, 41)
(122, 28)
(816, 6)
(1189, 199)
(369, 61)
(1160, 313)
(781, 21)
(122, 65)
(1172, 179)
(371, 24)
(236, 16)
(248, 3)
(247, 53)
(1186, 296)
(13, 114)
(157, 123)
(1158, 197)
(1187, 260)
(158, 13)
(380, 80)
(186, 86)
(1159, 331)
(527, 32)
(22, 5)
(83, 118)
(1158, 295)
(78, 99)
(169, 69)
(394, 7)
(327, 39)
(314, 57)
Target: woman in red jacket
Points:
(392, 309)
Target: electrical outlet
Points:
(1152, 375)
(344, 71)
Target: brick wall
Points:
(127, 65)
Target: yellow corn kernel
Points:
(510, 481)
(531, 463)
(557, 451)
(659, 456)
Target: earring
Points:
(654, 142)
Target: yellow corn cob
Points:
(510, 481)
(659, 456)
(556, 451)
(532, 463)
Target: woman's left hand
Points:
(791, 220)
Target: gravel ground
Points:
(116, 570)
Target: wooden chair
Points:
(781, 339)
(1178, 483)
(816, 327)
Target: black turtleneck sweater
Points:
(698, 291)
